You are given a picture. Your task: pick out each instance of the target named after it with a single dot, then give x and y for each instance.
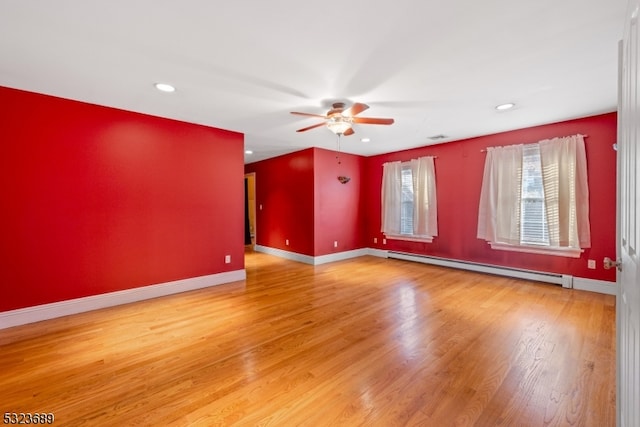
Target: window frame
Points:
(563, 251)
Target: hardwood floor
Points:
(369, 341)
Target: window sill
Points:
(543, 250)
(410, 238)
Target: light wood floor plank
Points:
(363, 342)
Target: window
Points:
(535, 198)
(409, 208)
(406, 214)
(533, 218)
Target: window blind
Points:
(406, 216)
(533, 220)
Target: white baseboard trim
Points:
(380, 253)
(565, 280)
(293, 256)
(308, 259)
(592, 285)
(339, 256)
(37, 313)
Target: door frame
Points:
(251, 187)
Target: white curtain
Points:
(566, 193)
(500, 196)
(425, 219)
(391, 197)
(425, 207)
(564, 178)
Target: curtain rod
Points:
(405, 161)
(484, 150)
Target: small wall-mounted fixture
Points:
(344, 179)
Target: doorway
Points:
(250, 210)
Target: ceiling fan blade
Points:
(348, 132)
(308, 114)
(311, 127)
(355, 109)
(372, 121)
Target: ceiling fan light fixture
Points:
(339, 124)
(340, 120)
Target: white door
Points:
(628, 301)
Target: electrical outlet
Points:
(384, 241)
(286, 242)
(335, 244)
(227, 259)
(375, 240)
(591, 264)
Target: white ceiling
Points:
(436, 66)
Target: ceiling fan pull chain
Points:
(338, 155)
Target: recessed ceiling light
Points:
(164, 87)
(365, 139)
(248, 152)
(507, 106)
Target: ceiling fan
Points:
(339, 119)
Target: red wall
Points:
(303, 201)
(459, 167)
(284, 189)
(339, 208)
(97, 200)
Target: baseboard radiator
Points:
(566, 281)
